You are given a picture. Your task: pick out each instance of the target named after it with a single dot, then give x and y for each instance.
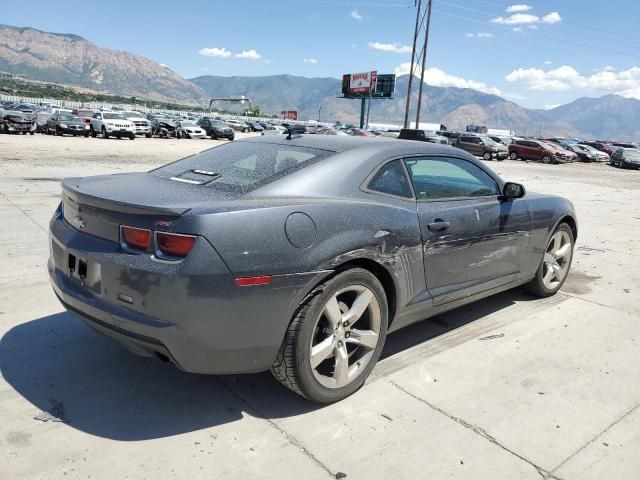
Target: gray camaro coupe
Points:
(298, 254)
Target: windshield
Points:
(67, 118)
(244, 166)
(134, 115)
(187, 124)
(218, 123)
(85, 113)
(114, 116)
(488, 141)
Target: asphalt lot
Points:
(509, 387)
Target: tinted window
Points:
(391, 179)
(114, 116)
(436, 178)
(243, 166)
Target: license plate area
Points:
(84, 272)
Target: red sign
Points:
(362, 82)
(289, 114)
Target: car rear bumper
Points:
(191, 314)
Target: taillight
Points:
(137, 238)
(174, 244)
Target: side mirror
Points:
(513, 190)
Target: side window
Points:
(392, 180)
(436, 178)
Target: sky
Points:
(539, 53)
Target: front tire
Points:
(555, 264)
(487, 156)
(335, 338)
(104, 133)
(513, 156)
(546, 159)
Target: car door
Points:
(472, 239)
(51, 122)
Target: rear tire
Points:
(92, 132)
(148, 135)
(329, 316)
(546, 283)
(104, 133)
(513, 156)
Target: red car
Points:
(536, 150)
(603, 147)
(84, 113)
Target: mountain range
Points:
(73, 60)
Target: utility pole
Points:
(424, 60)
(319, 110)
(413, 61)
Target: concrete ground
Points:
(509, 387)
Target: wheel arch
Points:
(382, 274)
(573, 225)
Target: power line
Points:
(593, 47)
(588, 27)
(359, 4)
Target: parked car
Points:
(583, 154)
(255, 126)
(602, 146)
(538, 151)
(482, 146)
(216, 128)
(274, 130)
(17, 122)
(598, 155)
(626, 145)
(330, 131)
(66, 123)
(506, 141)
(238, 125)
(421, 136)
(564, 155)
(626, 158)
(114, 124)
(86, 114)
(360, 132)
(189, 129)
(235, 259)
(142, 124)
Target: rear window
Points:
(243, 166)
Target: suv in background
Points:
(112, 124)
(216, 128)
(143, 127)
(238, 125)
(482, 146)
(421, 136)
(84, 113)
(534, 150)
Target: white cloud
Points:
(438, 78)
(390, 47)
(479, 35)
(310, 60)
(518, 8)
(548, 62)
(356, 14)
(250, 54)
(552, 17)
(517, 29)
(527, 19)
(551, 106)
(516, 19)
(624, 82)
(215, 52)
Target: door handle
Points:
(438, 225)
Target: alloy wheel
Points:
(345, 337)
(557, 259)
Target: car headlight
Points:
(64, 125)
(86, 127)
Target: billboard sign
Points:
(363, 85)
(289, 114)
